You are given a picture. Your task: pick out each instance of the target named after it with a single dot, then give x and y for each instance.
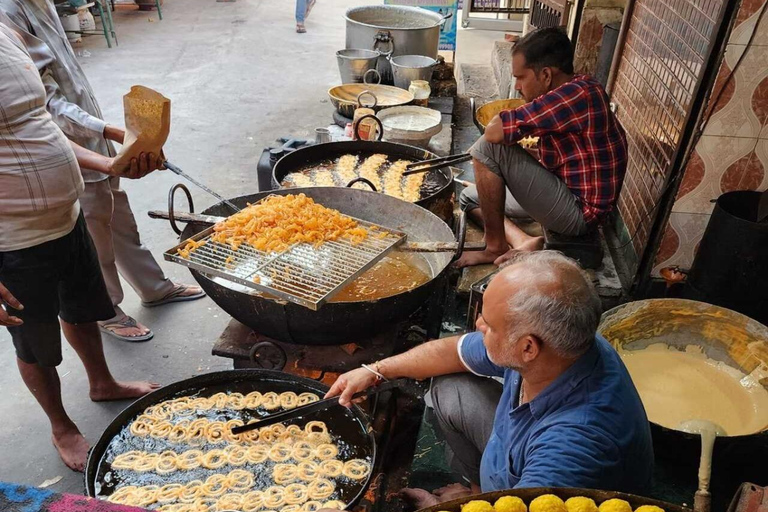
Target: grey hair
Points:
(566, 317)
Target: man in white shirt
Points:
(49, 270)
(111, 223)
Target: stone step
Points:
(501, 63)
(478, 81)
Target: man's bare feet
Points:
(452, 492)
(534, 244)
(72, 448)
(419, 498)
(122, 390)
(472, 258)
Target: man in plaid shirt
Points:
(582, 154)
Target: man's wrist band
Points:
(379, 376)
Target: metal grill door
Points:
(662, 62)
(503, 15)
(549, 13)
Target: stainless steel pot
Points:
(394, 29)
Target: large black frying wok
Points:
(438, 184)
(335, 323)
(350, 426)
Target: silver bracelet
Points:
(377, 374)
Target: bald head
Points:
(547, 295)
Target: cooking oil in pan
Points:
(396, 273)
(346, 433)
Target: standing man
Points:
(49, 270)
(582, 154)
(104, 203)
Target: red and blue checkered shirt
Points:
(580, 140)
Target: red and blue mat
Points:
(21, 498)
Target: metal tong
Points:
(436, 163)
(168, 165)
(321, 405)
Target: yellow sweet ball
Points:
(580, 504)
(547, 503)
(477, 506)
(649, 508)
(510, 504)
(615, 505)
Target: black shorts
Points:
(60, 278)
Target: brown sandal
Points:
(124, 323)
(175, 296)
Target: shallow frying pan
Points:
(348, 97)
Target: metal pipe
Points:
(625, 21)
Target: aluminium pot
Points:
(441, 188)
(335, 323)
(409, 68)
(395, 30)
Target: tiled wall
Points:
(732, 153)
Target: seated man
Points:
(567, 414)
(49, 269)
(582, 153)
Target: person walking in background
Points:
(111, 223)
(303, 8)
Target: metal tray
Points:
(304, 274)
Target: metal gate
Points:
(504, 15)
(549, 13)
(665, 55)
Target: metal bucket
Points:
(407, 68)
(355, 63)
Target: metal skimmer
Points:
(304, 274)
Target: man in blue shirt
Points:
(567, 414)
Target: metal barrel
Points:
(730, 267)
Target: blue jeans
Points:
(301, 10)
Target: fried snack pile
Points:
(279, 222)
(552, 503)
(186, 459)
(386, 176)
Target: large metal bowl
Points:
(723, 335)
(335, 323)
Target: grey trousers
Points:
(532, 190)
(465, 407)
(116, 237)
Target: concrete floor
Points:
(238, 76)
